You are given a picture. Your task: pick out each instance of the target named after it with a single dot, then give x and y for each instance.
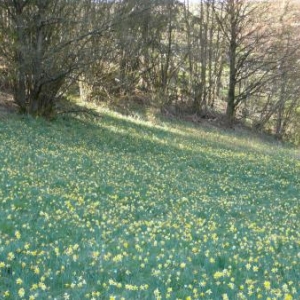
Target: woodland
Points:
(234, 59)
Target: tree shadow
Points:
(175, 160)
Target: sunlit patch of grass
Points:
(117, 208)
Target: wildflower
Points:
(66, 296)
(42, 286)
(34, 287)
(118, 258)
(267, 285)
(95, 254)
(218, 275)
(6, 294)
(156, 292)
(144, 287)
(288, 297)
(19, 281)
(225, 297)
(231, 285)
(182, 265)
(18, 234)
(202, 283)
(155, 272)
(56, 250)
(131, 287)
(21, 292)
(285, 288)
(10, 256)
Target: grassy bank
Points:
(117, 208)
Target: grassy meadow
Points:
(119, 208)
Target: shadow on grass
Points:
(169, 131)
(105, 132)
(133, 155)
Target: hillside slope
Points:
(112, 207)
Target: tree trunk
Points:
(19, 84)
(282, 99)
(230, 110)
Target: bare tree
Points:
(242, 23)
(282, 93)
(44, 41)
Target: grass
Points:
(118, 208)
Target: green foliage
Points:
(116, 207)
